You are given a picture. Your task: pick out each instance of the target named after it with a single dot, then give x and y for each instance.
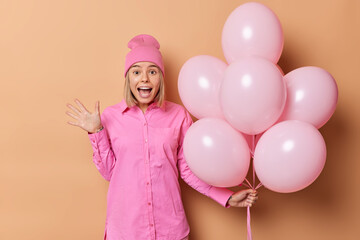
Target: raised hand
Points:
(243, 198)
(86, 120)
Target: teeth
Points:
(144, 88)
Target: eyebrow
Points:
(140, 66)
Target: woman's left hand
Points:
(243, 198)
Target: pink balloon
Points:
(312, 96)
(216, 153)
(252, 94)
(252, 29)
(289, 156)
(199, 85)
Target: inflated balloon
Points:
(252, 29)
(252, 95)
(216, 153)
(289, 156)
(312, 95)
(199, 85)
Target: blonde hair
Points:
(130, 98)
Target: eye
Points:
(153, 72)
(136, 72)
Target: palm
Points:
(84, 119)
(89, 121)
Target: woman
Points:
(137, 146)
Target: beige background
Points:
(54, 51)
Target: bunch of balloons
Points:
(248, 100)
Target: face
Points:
(144, 82)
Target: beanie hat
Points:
(144, 48)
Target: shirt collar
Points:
(123, 106)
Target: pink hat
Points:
(144, 48)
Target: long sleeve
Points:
(220, 195)
(103, 155)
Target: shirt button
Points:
(145, 124)
(147, 183)
(149, 203)
(151, 225)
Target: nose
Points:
(144, 76)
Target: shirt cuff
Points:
(220, 195)
(99, 139)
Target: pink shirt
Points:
(142, 155)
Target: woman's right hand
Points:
(86, 120)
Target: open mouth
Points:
(144, 92)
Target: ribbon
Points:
(252, 186)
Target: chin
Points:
(145, 101)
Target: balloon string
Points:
(252, 149)
(249, 236)
(251, 153)
(258, 186)
(249, 184)
(252, 156)
(252, 186)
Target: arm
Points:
(103, 155)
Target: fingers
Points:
(74, 109)
(251, 199)
(253, 194)
(242, 195)
(72, 115)
(249, 191)
(73, 123)
(97, 107)
(76, 112)
(244, 198)
(249, 203)
(81, 106)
